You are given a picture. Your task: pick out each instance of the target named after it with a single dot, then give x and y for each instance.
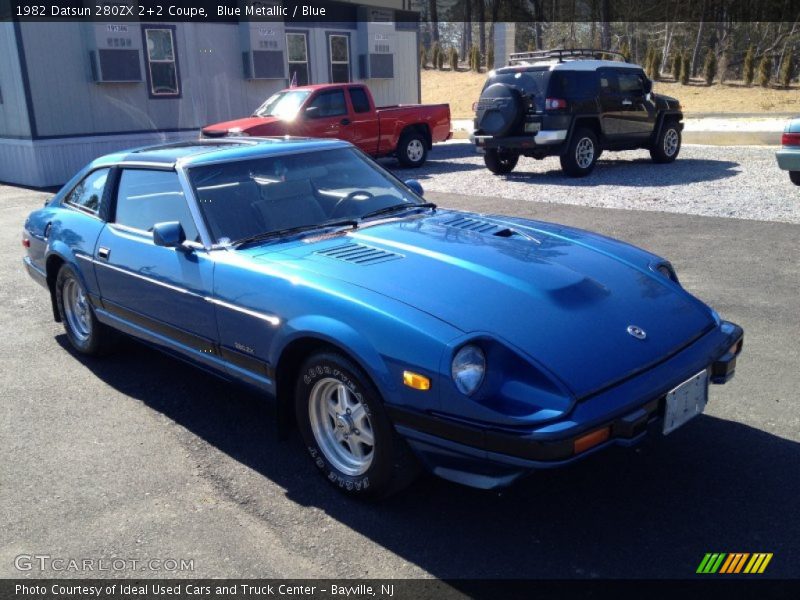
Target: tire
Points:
(500, 163)
(794, 176)
(412, 150)
(347, 431)
(86, 334)
(668, 144)
(581, 155)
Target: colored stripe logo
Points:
(733, 563)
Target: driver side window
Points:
(329, 104)
(146, 197)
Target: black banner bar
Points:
(729, 588)
(299, 11)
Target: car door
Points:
(364, 125)
(163, 290)
(326, 115)
(638, 109)
(611, 114)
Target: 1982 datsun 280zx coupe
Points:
(396, 333)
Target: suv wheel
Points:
(794, 177)
(500, 163)
(581, 154)
(346, 430)
(412, 150)
(668, 145)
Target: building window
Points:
(339, 53)
(297, 53)
(162, 62)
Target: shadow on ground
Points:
(714, 486)
(626, 169)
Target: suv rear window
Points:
(532, 82)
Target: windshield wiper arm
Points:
(397, 207)
(260, 237)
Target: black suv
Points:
(572, 104)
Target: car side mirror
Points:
(169, 234)
(311, 112)
(648, 86)
(415, 186)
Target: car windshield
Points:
(258, 197)
(283, 105)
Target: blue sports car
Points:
(394, 334)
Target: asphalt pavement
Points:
(139, 456)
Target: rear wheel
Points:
(668, 144)
(412, 150)
(500, 163)
(86, 334)
(346, 430)
(581, 155)
(794, 176)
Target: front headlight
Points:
(468, 369)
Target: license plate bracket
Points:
(685, 402)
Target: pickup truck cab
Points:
(346, 112)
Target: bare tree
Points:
(434, 21)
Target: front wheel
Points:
(412, 150)
(794, 177)
(346, 430)
(500, 163)
(581, 155)
(86, 334)
(667, 145)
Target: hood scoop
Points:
(359, 254)
(482, 227)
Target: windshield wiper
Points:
(396, 208)
(266, 235)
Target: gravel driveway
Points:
(740, 182)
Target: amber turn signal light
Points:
(590, 440)
(416, 381)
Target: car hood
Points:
(556, 294)
(252, 125)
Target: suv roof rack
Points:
(561, 54)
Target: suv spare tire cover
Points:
(499, 109)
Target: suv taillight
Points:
(554, 103)
(790, 139)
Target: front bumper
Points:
(788, 158)
(488, 457)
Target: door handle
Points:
(103, 253)
(345, 121)
(627, 102)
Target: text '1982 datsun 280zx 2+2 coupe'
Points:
(393, 333)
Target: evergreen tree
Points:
(748, 69)
(490, 58)
(625, 50)
(453, 59)
(423, 57)
(787, 67)
(677, 64)
(710, 67)
(765, 71)
(685, 68)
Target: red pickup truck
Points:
(347, 112)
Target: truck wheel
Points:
(346, 430)
(500, 163)
(581, 155)
(668, 144)
(412, 149)
(86, 334)
(794, 176)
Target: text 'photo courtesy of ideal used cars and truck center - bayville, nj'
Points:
(400, 299)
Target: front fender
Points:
(341, 335)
